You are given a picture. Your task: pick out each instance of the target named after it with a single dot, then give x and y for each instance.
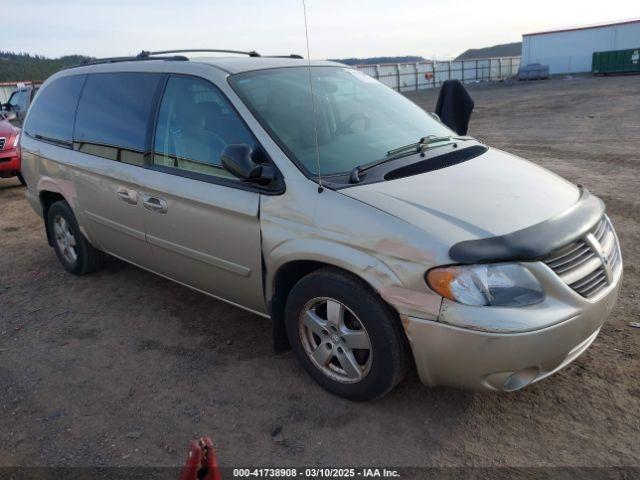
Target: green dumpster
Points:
(616, 61)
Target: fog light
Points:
(520, 379)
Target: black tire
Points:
(21, 178)
(389, 347)
(88, 259)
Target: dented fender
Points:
(369, 268)
(409, 302)
(388, 253)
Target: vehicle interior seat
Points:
(196, 148)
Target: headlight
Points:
(500, 284)
(16, 140)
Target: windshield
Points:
(359, 120)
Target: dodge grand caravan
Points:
(370, 233)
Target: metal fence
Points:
(6, 89)
(406, 77)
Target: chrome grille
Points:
(591, 263)
(2, 142)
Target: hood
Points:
(493, 194)
(6, 129)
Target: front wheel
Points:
(345, 336)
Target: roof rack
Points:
(145, 54)
(98, 61)
(161, 55)
(252, 53)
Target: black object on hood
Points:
(454, 106)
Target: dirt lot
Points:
(124, 368)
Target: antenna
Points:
(313, 102)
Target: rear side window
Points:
(114, 114)
(51, 115)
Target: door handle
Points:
(154, 204)
(127, 195)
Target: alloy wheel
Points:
(335, 340)
(65, 239)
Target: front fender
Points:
(370, 269)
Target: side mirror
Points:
(238, 160)
(454, 106)
(9, 116)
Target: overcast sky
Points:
(338, 28)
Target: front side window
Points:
(358, 119)
(18, 100)
(51, 115)
(195, 123)
(114, 115)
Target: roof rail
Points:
(145, 54)
(98, 61)
(291, 55)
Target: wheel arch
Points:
(48, 198)
(290, 262)
(52, 189)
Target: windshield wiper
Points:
(418, 147)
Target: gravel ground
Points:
(123, 368)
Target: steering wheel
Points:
(346, 126)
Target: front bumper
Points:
(470, 358)
(9, 162)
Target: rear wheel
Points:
(74, 251)
(345, 336)
(21, 178)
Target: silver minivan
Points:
(370, 233)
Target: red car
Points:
(9, 150)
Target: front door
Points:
(202, 224)
(18, 103)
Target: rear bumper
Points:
(34, 201)
(485, 360)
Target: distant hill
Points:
(376, 60)
(16, 67)
(504, 50)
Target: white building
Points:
(570, 50)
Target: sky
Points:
(438, 29)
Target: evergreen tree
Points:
(15, 67)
